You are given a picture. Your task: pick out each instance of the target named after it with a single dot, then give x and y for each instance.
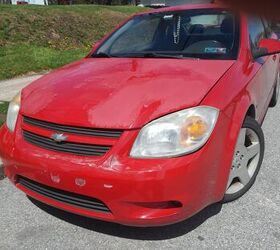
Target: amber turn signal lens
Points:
(194, 129)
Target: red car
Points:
(22, 2)
(160, 120)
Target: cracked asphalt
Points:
(252, 222)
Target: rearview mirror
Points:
(267, 47)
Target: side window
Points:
(268, 29)
(275, 27)
(256, 31)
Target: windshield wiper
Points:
(102, 55)
(162, 55)
(150, 55)
(147, 54)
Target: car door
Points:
(264, 80)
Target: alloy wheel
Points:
(245, 162)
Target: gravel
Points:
(252, 222)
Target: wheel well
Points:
(251, 112)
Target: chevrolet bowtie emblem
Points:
(59, 137)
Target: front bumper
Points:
(135, 190)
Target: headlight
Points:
(176, 134)
(13, 111)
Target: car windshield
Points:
(202, 33)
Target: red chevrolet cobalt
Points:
(160, 120)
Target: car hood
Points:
(122, 93)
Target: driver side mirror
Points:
(267, 47)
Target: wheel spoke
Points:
(253, 150)
(241, 138)
(243, 175)
(231, 177)
(278, 86)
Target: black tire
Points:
(274, 99)
(253, 125)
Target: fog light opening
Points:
(160, 205)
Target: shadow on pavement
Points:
(156, 233)
(2, 175)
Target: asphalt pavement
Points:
(252, 222)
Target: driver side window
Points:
(256, 31)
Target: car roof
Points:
(186, 7)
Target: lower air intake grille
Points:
(66, 147)
(64, 196)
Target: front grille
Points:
(110, 133)
(64, 196)
(66, 147)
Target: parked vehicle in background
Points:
(36, 2)
(162, 3)
(160, 120)
(21, 3)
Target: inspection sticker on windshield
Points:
(216, 50)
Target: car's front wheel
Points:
(275, 96)
(248, 157)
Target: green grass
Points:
(35, 38)
(3, 111)
(19, 59)
(4, 107)
(2, 121)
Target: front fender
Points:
(234, 104)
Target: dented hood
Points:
(121, 93)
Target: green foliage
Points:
(4, 107)
(21, 58)
(3, 111)
(34, 38)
